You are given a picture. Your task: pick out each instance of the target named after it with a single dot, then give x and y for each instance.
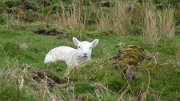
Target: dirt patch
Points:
(45, 78)
(51, 79)
(52, 32)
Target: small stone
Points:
(68, 89)
(129, 73)
(23, 46)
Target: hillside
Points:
(137, 58)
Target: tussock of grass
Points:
(150, 34)
(167, 25)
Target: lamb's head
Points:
(85, 47)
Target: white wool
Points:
(72, 57)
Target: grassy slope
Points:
(152, 82)
(163, 84)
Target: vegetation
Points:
(138, 57)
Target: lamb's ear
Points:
(76, 41)
(95, 42)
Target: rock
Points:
(68, 89)
(24, 46)
(129, 73)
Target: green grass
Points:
(155, 82)
(98, 80)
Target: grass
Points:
(24, 76)
(162, 80)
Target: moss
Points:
(129, 56)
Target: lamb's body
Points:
(71, 56)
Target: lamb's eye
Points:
(79, 47)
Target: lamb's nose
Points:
(85, 54)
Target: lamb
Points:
(72, 57)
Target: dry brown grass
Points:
(103, 21)
(157, 25)
(117, 18)
(21, 80)
(121, 18)
(73, 16)
(124, 18)
(166, 23)
(150, 33)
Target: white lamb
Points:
(72, 57)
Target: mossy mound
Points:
(130, 60)
(129, 56)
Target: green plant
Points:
(2, 20)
